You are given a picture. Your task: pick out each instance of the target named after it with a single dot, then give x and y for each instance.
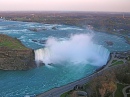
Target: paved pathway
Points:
(110, 61)
(113, 58)
(124, 91)
(56, 92)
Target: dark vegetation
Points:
(105, 83)
(117, 63)
(113, 23)
(118, 92)
(110, 22)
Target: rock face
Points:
(15, 56)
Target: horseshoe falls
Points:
(78, 49)
(69, 55)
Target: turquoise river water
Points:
(41, 79)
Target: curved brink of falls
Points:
(77, 49)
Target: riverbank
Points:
(106, 23)
(56, 92)
(113, 45)
(14, 55)
(115, 72)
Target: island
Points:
(14, 55)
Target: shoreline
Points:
(70, 86)
(127, 39)
(58, 91)
(88, 78)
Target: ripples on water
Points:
(31, 82)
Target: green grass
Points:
(113, 61)
(117, 63)
(86, 86)
(118, 92)
(128, 95)
(11, 43)
(66, 94)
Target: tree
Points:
(103, 84)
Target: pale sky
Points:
(65, 5)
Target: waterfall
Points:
(77, 49)
(42, 56)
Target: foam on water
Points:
(70, 28)
(38, 80)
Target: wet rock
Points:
(37, 29)
(109, 43)
(34, 40)
(33, 29)
(42, 41)
(54, 28)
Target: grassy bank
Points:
(11, 43)
(118, 92)
(115, 62)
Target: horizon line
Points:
(63, 11)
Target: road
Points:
(56, 92)
(124, 91)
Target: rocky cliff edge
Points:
(14, 55)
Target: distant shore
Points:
(109, 26)
(78, 21)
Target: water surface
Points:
(38, 80)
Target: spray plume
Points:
(77, 49)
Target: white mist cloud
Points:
(77, 49)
